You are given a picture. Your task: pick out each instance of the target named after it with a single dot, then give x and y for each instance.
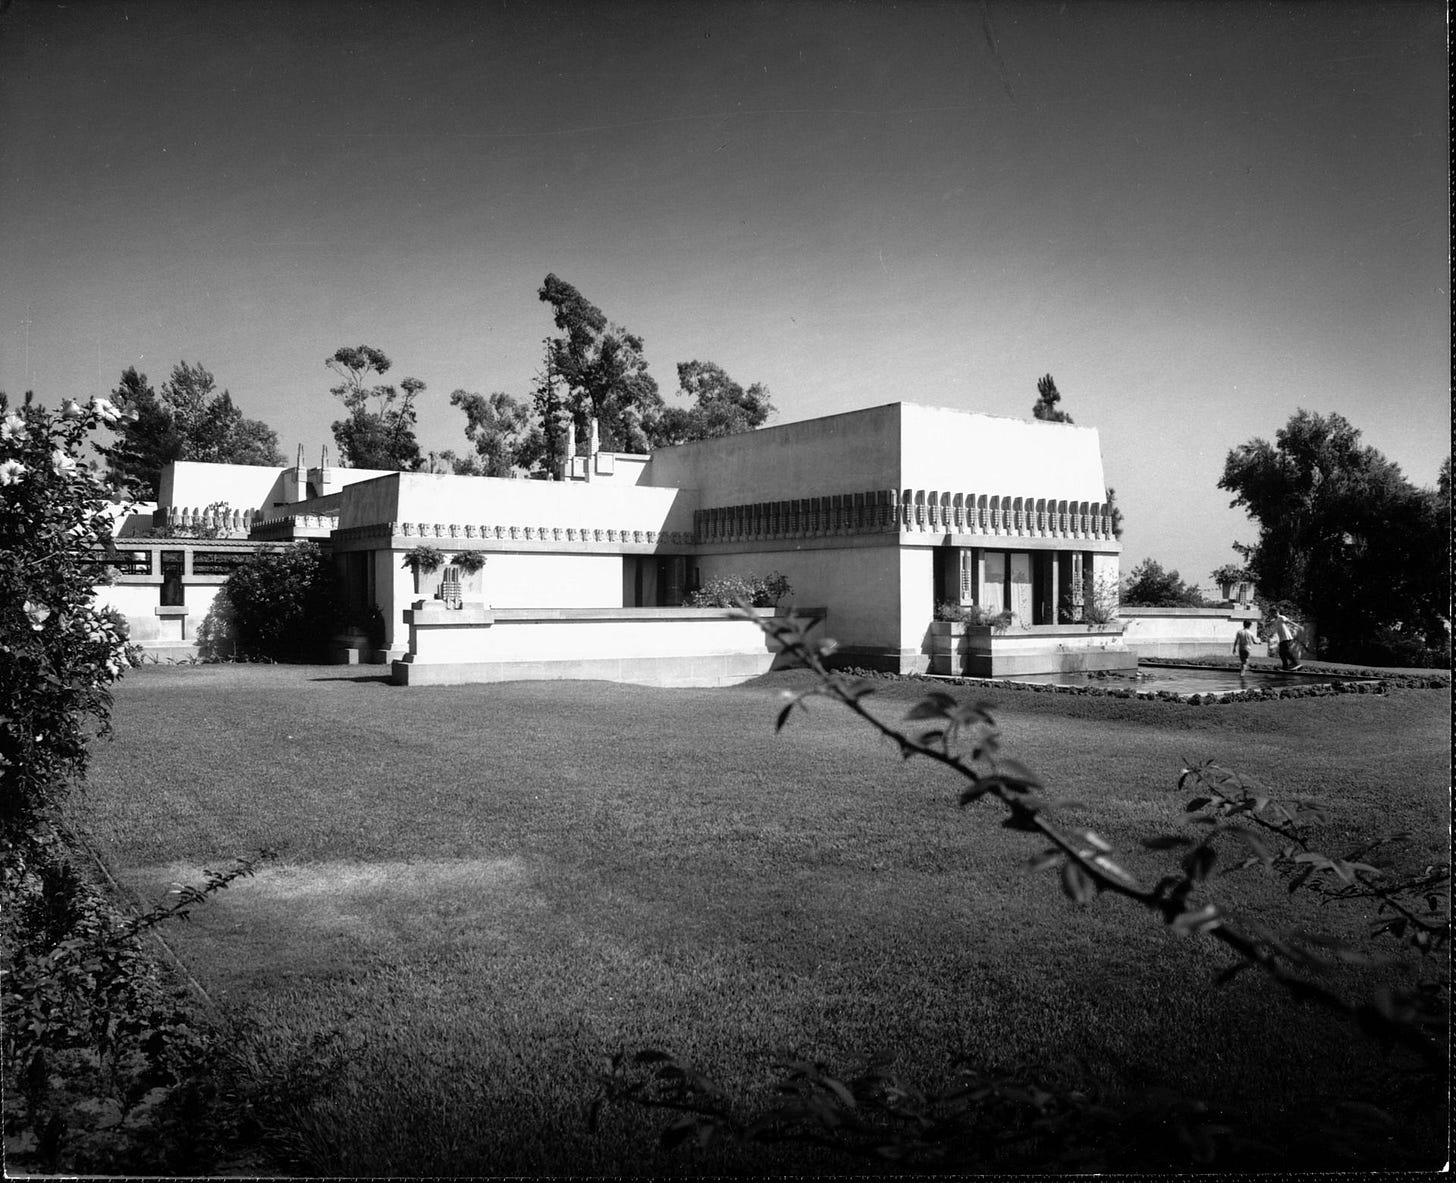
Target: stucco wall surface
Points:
(858, 450)
(956, 452)
(859, 587)
(425, 497)
(138, 603)
(191, 484)
(896, 446)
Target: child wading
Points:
(1285, 630)
(1244, 642)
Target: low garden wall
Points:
(983, 651)
(647, 646)
(1190, 632)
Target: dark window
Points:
(130, 562)
(172, 567)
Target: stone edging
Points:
(1399, 681)
(1378, 685)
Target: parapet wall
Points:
(1192, 632)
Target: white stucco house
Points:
(875, 517)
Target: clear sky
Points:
(1197, 217)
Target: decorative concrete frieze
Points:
(407, 529)
(470, 531)
(454, 530)
(515, 532)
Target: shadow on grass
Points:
(383, 679)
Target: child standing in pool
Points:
(1244, 642)
(1287, 633)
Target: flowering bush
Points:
(58, 653)
(757, 591)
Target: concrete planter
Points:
(981, 651)
(351, 647)
(426, 582)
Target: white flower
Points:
(13, 428)
(11, 471)
(71, 409)
(63, 464)
(38, 614)
(106, 410)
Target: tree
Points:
(720, 406)
(1150, 586)
(601, 368)
(1113, 513)
(500, 428)
(383, 436)
(1344, 535)
(189, 420)
(1045, 407)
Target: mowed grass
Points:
(488, 889)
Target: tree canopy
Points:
(503, 431)
(720, 406)
(1149, 585)
(600, 367)
(190, 419)
(1047, 398)
(383, 436)
(1344, 534)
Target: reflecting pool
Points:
(1186, 679)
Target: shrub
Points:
(105, 1059)
(284, 605)
(731, 590)
(98, 1051)
(1102, 607)
(949, 610)
(1388, 646)
(217, 634)
(58, 654)
(469, 561)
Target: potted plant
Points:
(423, 561)
(1233, 581)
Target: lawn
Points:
(486, 890)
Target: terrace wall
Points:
(654, 647)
